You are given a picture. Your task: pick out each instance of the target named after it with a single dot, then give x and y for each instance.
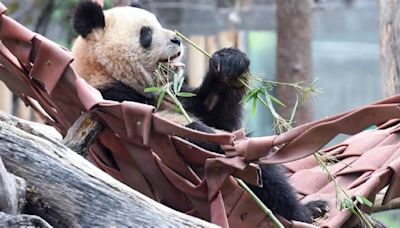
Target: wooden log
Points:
(12, 201)
(12, 192)
(13, 221)
(68, 191)
(82, 133)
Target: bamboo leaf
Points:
(152, 89)
(180, 84)
(254, 107)
(185, 94)
(364, 201)
(271, 108)
(276, 100)
(175, 84)
(348, 203)
(251, 95)
(160, 98)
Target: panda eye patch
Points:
(146, 36)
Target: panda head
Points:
(123, 44)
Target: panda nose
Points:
(176, 40)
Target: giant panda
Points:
(118, 50)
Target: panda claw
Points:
(318, 208)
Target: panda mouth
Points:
(170, 67)
(171, 58)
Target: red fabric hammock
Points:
(152, 157)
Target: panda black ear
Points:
(136, 4)
(88, 15)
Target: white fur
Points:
(114, 53)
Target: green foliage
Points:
(185, 94)
(172, 88)
(152, 89)
(364, 201)
(260, 91)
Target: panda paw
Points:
(317, 208)
(229, 64)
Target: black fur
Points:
(146, 36)
(121, 92)
(88, 16)
(218, 100)
(199, 126)
(278, 195)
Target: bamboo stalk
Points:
(191, 43)
(267, 211)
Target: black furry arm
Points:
(218, 99)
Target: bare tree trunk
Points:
(389, 25)
(294, 20)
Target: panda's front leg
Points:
(218, 99)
